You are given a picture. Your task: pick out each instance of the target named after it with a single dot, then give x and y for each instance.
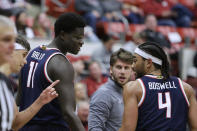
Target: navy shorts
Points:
(43, 127)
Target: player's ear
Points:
(110, 71)
(149, 63)
(62, 35)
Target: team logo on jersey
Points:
(159, 77)
(43, 47)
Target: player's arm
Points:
(192, 108)
(130, 114)
(60, 68)
(21, 118)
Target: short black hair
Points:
(155, 50)
(68, 22)
(123, 55)
(22, 41)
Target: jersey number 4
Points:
(32, 69)
(166, 105)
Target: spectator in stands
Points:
(183, 17)
(151, 34)
(80, 92)
(21, 24)
(133, 13)
(114, 12)
(90, 35)
(10, 7)
(95, 78)
(103, 52)
(99, 10)
(192, 78)
(91, 10)
(42, 26)
(79, 67)
(168, 12)
(111, 10)
(131, 45)
(82, 112)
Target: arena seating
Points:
(118, 28)
(57, 7)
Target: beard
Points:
(116, 80)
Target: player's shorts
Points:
(43, 127)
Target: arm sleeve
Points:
(99, 112)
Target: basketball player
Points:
(157, 101)
(46, 64)
(9, 115)
(21, 48)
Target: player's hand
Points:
(48, 94)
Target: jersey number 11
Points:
(32, 69)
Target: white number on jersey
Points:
(32, 69)
(166, 105)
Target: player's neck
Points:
(52, 44)
(155, 72)
(55, 43)
(5, 69)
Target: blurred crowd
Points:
(92, 71)
(175, 13)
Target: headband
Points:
(17, 46)
(148, 56)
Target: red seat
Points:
(73, 58)
(55, 9)
(116, 27)
(189, 3)
(133, 2)
(136, 28)
(113, 28)
(129, 1)
(166, 29)
(188, 32)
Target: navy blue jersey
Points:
(34, 80)
(163, 106)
